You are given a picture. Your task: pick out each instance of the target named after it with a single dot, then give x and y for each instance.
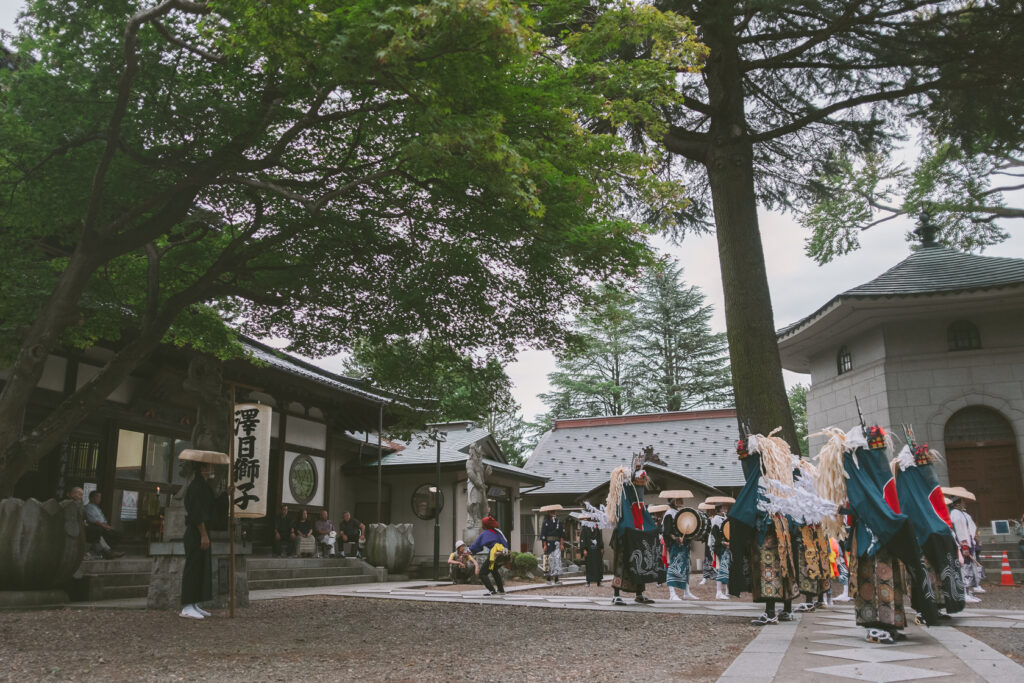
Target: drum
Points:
(725, 530)
(692, 523)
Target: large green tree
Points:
(787, 86)
(682, 363)
(324, 171)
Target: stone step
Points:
(308, 582)
(301, 562)
(136, 565)
(119, 592)
(112, 579)
(302, 572)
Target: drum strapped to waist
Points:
(692, 523)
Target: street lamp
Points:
(439, 437)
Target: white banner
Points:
(252, 459)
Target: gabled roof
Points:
(578, 455)
(420, 451)
(297, 367)
(928, 270)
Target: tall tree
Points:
(596, 375)
(326, 173)
(786, 87)
(682, 364)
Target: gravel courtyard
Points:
(336, 638)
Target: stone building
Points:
(935, 342)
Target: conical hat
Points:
(721, 500)
(675, 493)
(551, 508)
(705, 506)
(655, 509)
(958, 492)
(215, 457)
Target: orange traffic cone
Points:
(1007, 575)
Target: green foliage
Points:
(522, 563)
(330, 173)
(797, 396)
(649, 350)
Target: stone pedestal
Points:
(169, 562)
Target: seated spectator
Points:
(325, 533)
(97, 530)
(459, 564)
(284, 535)
(302, 527)
(351, 530)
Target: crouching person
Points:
(459, 562)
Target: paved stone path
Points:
(819, 646)
(827, 645)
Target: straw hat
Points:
(552, 508)
(655, 509)
(721, 500)
(675, 493)
(947, 501)
(958, 492)
(705, 506)
(215, 457)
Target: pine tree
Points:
(682, 364)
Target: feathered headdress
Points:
(830, 484)
(613, 506)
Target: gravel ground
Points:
(1000, 597)
(327, 639)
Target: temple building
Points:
(937, 343)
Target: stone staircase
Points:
(128, 577)
(279, 572)
(992, 547)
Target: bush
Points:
(524, 562)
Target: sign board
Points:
(252, 459)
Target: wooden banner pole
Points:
(231, 509)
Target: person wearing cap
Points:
(459, 561)
(966, 533)
(495, 544)
(592, 544)
(552, 538)
(197, 576)
(678, 573)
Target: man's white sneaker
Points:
(201, 610)
(689, 596)
(978, 589)
(190, 612)
(675, 597)
(971, 598)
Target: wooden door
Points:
(992, 473)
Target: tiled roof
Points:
(422, 450)
(297, 367)
(578, 457)
(930, 270)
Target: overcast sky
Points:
(798, 285)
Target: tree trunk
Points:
(760, 392)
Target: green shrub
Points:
(524, 562)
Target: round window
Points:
(302, 479)
(427, 501)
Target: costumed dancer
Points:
(552, 538)
(637, 556)
(708, 571)
(592, 544)
(494, 542)
(723, 555)
(854, 468)
(678, 573)
(966, 535)
(758, 536)
(810, 544)
(919, 497)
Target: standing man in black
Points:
(552, 536)
(197, 577)
(284, 535)
(592, 544)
